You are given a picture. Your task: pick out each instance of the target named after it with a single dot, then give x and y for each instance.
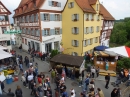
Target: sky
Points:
(118, 8)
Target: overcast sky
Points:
(118, 8)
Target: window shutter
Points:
(85, 31)
(59, 4)
(42, 16)
(38, 32)
(60, 17)
(77, 43)
(77, 30)
(94, 40)
(50, 17)
(73, 4)
(84, 43)
(36, 17)
(43, 32)
(92, 29)
(32, 17)
(60, 31)
(72, 17)
(52, 31)
(73, 30)
(50, 3)
(90, 17)
(88, 41)
(77, 16)
(69, 6)
(89, 29)
(8, 43)
(72, 42)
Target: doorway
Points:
(29, 45)
(48, 47)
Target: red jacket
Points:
(39, 80)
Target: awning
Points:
(2, 48)
(68, 60)
(48, 38)
(4, 54)
(122, 51)
(100, 48)
(104, 53)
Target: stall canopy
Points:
(2, 48)
(122, 51)
(100, 48)
(4, 54)
(68, 59)
(105, 53)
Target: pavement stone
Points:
(44, 67)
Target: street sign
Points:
(13, 32)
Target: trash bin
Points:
(9, 79)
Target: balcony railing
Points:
(13, 32)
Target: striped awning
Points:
(104, 53)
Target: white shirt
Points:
(73, 91)
(62, 79)
(23, 79)
(30, 77)
(45, 88)
(93, 70)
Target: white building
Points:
(107, 26)
(41, 24)
(4, 26)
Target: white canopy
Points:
(4, 54)
(2, 48)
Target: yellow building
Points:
(81, 23)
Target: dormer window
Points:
(71, 4)
(54, 4)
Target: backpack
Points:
(65, 94)
(18, 93)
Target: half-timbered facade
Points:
(4, 26)
(40, 22)
(107, 26)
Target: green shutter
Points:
(8, 43)
(6, 18)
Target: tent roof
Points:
(105, 53)
(2, 48)
(68, 59)
(4, 54)
(100, 48)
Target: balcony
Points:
(29, 24)
(13, 32)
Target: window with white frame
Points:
(75, 17)
(47, 32)
(86, 30)
(98, 17)
(71, 5)
(87, 16)
(75, 30)
(97, 7)
(57, 31)
(46, 17)
(57, 17)
(91, 29)
(97, 29)
(85, 43)
(56, 45)
(75, 43)
(74, 53)
(91, 41)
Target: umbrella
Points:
(122, 51)
(100, 48)
(2, 48)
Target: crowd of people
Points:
(40, 84)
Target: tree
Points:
(128, 44)
(54, 53)
(123, 63)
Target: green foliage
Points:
(121, 32)
(123, 63)
(54, 53)
(127, 44)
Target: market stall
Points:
(103, 57)
(68, 61)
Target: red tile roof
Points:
(105, 13)
(30, 6)
(92, 2)
(5, 8)
(85, 6)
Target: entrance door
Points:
(48, 47)
(32, 45)
(29, 45)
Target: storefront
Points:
(103, 57)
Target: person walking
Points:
(53, 75)
(36, 94)
(97, 71)
(40, 90)
(107, 78)
(18, 92)
(86, 83)
(2, 86)
(23, 79)
(10, 94)
(100, 92)
(30, 78)
(114, 93)
(93, 71)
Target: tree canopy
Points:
(121, 33)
